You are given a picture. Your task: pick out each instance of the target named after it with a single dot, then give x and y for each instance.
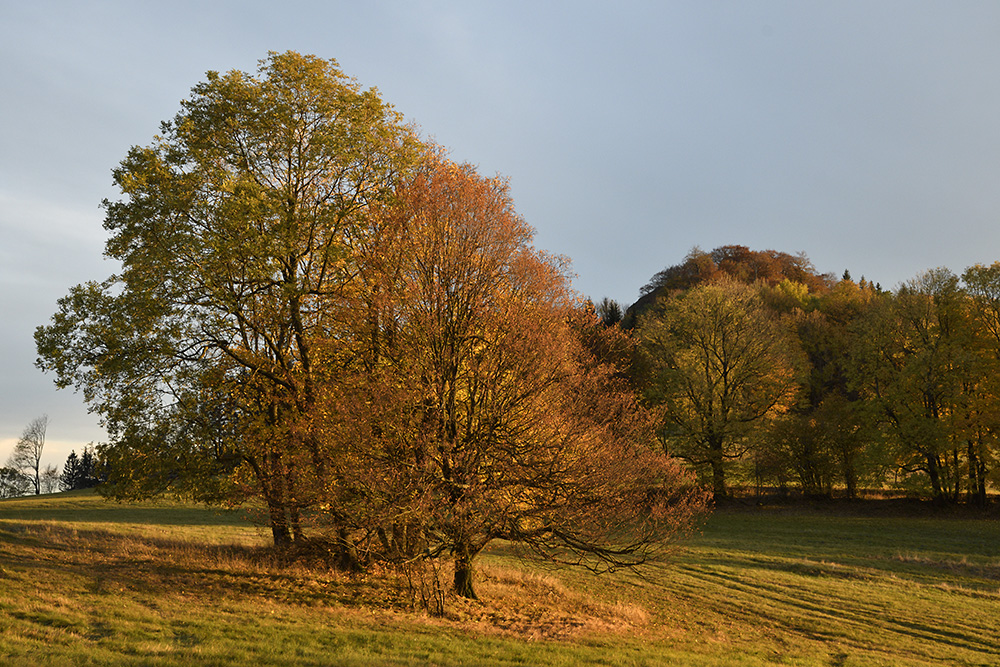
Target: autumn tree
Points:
(480, 413)
(911, 356)
(316, 311)
(737, 262)
(27, 454)
(721, 366)
(234, 236)
(982, 284)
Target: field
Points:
(84, 582)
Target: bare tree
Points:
(27, 454)
(50, 479)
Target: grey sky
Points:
(866, 134)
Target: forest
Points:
(769, 375)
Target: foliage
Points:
(483, 416)
(720, 365)
(787, 273)
(318, 312)
(898, 390)
(235, 242)
(81, 472)
(912, 357)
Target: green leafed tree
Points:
(912, 357)
(234, 234)
(721, 366)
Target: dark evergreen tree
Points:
(71, 472)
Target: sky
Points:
(865, 134)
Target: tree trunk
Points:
(347, 555)
(934, 474)
(296, 525)
(973, 472)
(718, 470)
(279, 525)
(463, 570)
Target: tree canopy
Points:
(719, 363)
(319, 310)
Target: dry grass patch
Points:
(535, 606)
(513, 602)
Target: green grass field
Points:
(85, 582)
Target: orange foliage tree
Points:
(476, 411)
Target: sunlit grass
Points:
(84, 582)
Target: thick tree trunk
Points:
(934, 473)
(347, 555)
(279, 525)
(463, 571)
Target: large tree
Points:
(721, 365)
(912, 356)
(234, 236)
(478, 412)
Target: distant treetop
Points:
(735, 261)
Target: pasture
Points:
(86, 582)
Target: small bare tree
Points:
(27, 454)
(50, 479)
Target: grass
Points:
(84, 582)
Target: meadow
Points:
(87, 582)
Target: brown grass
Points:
(513, 602)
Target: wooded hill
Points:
(771, 375)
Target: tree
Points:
(610, 312)
(13, 483)
(721, 366)
(911, 356)
(982, 283)
(69, 479)
(80, 472)
(50, 479)
(235, 240)
(837, 418)
(477, 411)
(319, 313)
(738, 263)
(27, 454)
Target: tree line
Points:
(768, 374)
(23, 473)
